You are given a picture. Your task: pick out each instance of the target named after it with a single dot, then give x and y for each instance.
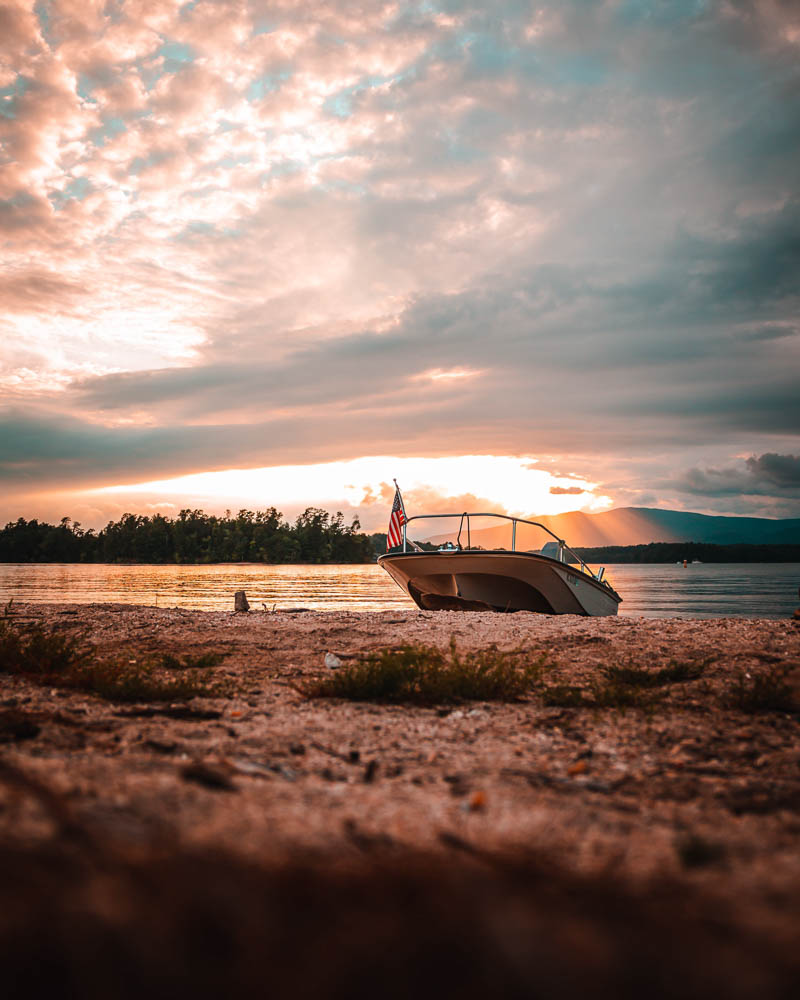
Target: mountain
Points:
(638, 526)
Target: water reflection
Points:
(700, 591)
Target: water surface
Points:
(710, 590)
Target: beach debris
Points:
(332, 661)
(240, 602)
(253, 768)
(208, 776)
(477, 802)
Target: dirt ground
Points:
(693, 788)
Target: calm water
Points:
(754, 590)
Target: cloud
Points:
(566, 490)
(765, 475)
(782, 471)
(247, 233)
(34, 290)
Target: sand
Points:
(693, 788)
(694, 792)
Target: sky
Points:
(523, 257)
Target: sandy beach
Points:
(692, 788)
(595, 785)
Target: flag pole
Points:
(403, 508)
(402, 504)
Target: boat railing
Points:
(563, 548)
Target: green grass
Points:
(564, 696)
(55, 659)
(126, 682)
(597, 695)
(639, 677)
(205, 661)
(612, 694)
(425, 675)
(36, 651)
(764, 692)
(622, 687)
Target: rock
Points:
(332, 661)
(207, 776)
(240, 602)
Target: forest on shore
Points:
(671, 552)
(316, 536)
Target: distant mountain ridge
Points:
(641, 525)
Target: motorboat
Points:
(457, 575)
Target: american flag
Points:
(396, 521)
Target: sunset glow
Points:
(502, 484)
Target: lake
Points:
(709, 590)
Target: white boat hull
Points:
(500, 580)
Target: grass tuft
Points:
(599, 695)
(564, 696)
(674, 673)
(612, 694)
(37, 651)
(126, 682)
(766, 692)
(622, 687)
(67, 661)
(425, 675)
(205, 661)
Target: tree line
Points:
(316, 536)
(671, 552)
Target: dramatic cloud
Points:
(768, 475)
(240, 234)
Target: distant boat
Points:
(551, 580)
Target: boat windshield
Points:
(470, 531)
